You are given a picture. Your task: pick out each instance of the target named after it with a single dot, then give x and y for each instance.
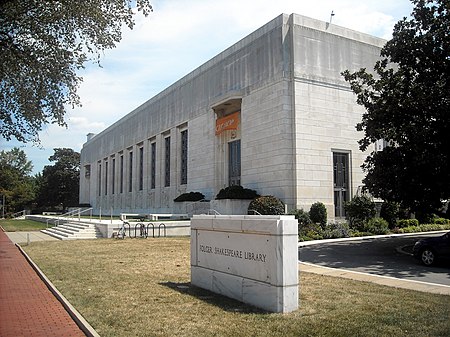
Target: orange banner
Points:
(229, 122)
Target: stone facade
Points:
(294, 135)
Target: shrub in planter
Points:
(390, 212)
(318, 213)
(376, 226)
(267, 205)
(359, 210)
(236, 192)
(191, 196)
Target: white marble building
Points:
(271, 113)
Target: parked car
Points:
(434, 249)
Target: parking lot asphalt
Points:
(380, 256)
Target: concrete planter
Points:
(191, 207)
(231, 206)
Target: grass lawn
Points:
(140, 287)
(10, 225)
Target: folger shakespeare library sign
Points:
(249, 258)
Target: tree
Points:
(60, 183)
(407, 105)
(42, 45)
(359, 210)
(16, 184)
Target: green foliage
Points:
(314, 231)
(60, 183)
(16, 184)
(236, 192)
(42, 46)
(318, 213)
(441, 221)
(407, 106)
(302, 216)
(311, 231)
(390, 212)
(359, 210)
(422, 228)
(191, 196)
(402, 223)
(336, 230)
(377, 226)
(267, 205)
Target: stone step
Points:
(73, 231)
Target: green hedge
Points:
(191, 196)
(236, 192)
(422, 228)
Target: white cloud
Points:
(178, 37)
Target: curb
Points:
(76, 316)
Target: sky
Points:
(178, 37)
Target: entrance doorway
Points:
(341, 182)
(234, 163)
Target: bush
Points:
(336, 230)
(422, 228)
(302, 218)
(236, 192)
(318, 214)
(267, 205)
(311, 231)
(407, 223)
(389, 212)
(191, 196)
(359, 210)
(441, 221)
(376, 226)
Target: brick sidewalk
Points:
(27, 307)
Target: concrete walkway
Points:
(25, 237)
(27, 307)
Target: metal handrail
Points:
(70, 213)
(213, 211)
(254, 211)
(19, 214)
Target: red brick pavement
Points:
(27, 307)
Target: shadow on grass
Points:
(223, 302)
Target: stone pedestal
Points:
(250, 258)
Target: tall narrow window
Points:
(184, 156)
(167, 161)
(341, 182)
(141, 168)
(121, 175)
(234, 163)
(99, 176)
(106, 178)
(113, 181)
(153, 166)
(130, 172)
